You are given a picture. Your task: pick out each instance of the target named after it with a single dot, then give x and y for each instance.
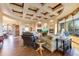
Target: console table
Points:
(63, 44)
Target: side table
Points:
(40, 48)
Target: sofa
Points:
(50, 43)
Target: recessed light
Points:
(39, 22)
(51, 20)
(45, 24)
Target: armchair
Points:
(28, 39)
(1, 39)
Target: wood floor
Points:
(14, 47)
(75, 42)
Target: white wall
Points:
(7, 20)
(55, 28)
(1, 21)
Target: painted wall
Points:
(1, 33)
(10, 21)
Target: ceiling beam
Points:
(17, 11)
(18, 4)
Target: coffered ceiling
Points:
(38, 11)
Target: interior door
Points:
(17, 30)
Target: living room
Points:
(35, 31)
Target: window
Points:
(76, 23)
(70, 27)
(61, 25)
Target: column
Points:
(21, 28)
(55, 27)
